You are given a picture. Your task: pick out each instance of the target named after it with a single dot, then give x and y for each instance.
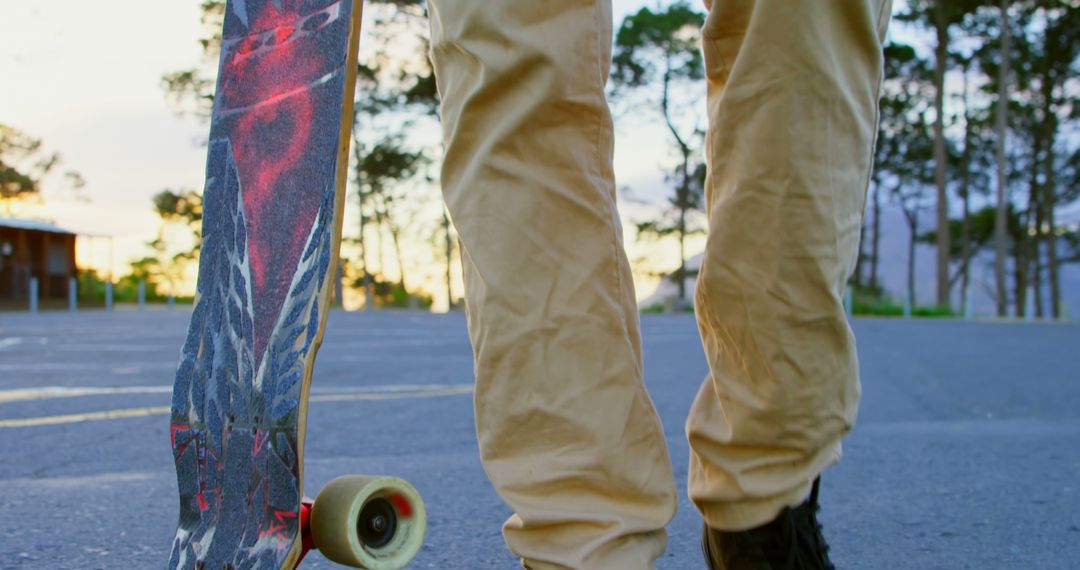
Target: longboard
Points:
(272, 216)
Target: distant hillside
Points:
(893, 273)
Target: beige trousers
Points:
(567, 433)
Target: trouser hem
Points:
(751, 513)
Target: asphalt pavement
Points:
(966, 455)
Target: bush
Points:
(125, 290)
(879, 304)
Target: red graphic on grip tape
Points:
(272, 143)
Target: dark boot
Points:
(792, 541)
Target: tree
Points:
(395, 88)
(24, 166)
(982, 227)
(662, 49)
(161, 267)
(1052, 38)
(192, 90)
(378, 167)
(1002, 173)
(940, 16)
(1038, 51)
(904, 159)
(165, 265)
(184, 207)
(975, 164)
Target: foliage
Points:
(660, 49)
(390, 294)
(875, 303)
(395, 90)
(25, 164)
(182, 207)
(125, 290)
(981, 223)
(652, 46)
(955, 89)
(192, 90)
(396, 87)
(903, 158)
(160, 268)
(669, 223)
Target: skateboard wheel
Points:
(377, 523)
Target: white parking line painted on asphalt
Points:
(83, 482)
(449, 391)
(52, 392)
(88, 417)
(96, 348)
(382, 341)
(80, 366)
(9, 342)
(162, 410)
(48, 393)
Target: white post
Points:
(172, 302)
(1029, 305)
(108, 295)
(33, 295)
(142, 295)
(907, 308)
(73, 295)
(849, 301)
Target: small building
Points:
(33, 249)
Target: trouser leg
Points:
(792, 103)
(567, 432)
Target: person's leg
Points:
(567, 433)
(793, 89)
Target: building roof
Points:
(33, 225)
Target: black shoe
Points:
(792, 541)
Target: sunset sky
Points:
(85, 77)
(88, 83)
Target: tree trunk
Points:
(369, 293)
(684, 204)
(913, 226)
(1049, 200)
(1002, 211)
(965, 279)
(1034, 223)
(339, 283)
(1049, 203)
(860, 259)
(941, 25)
(1036, 260)
(449, 261)
(876, 239)
(1020, 278)
(682, 194)
(380, 249)
(383, 213)
(1022, 263)
(965, 193)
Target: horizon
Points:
(107, 115)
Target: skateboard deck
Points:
(273, 202)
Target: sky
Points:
(88, 86)
(87, 82)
